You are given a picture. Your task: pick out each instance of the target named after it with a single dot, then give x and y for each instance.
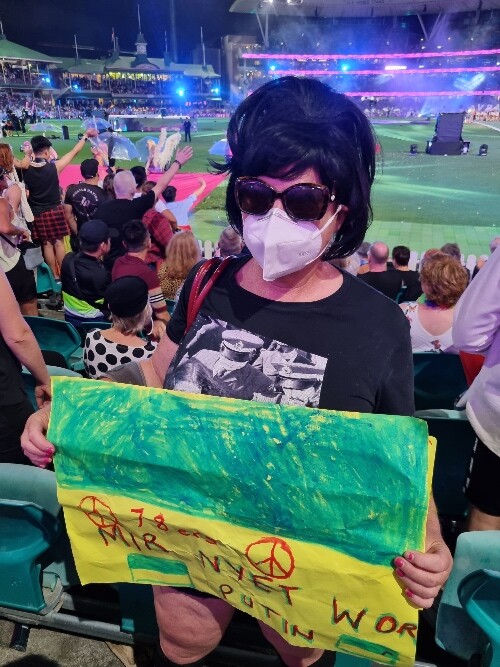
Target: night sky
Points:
(56, 21)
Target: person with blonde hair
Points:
(230, 242)
(131, 313)
(183, 252)
(443, 281)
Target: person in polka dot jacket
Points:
(131, 313)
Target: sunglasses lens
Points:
(305, 202)
(254, 197)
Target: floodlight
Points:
(414, 149)
(483, 149)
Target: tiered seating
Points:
(59, 336)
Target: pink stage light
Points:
(441, 93)
(436, 70)
(380, 56)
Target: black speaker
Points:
(65, 131)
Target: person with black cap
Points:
(82, 199)
(84, 277)
(42, 182)
(127, 300)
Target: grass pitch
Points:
(418, 200)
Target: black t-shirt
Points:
(116, 212)
(387, 282)
(84, 199)
(411, 285)
(91, 275)
(11, 384)
(350, 351)
(42, 182)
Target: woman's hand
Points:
(43, 394)
(424, 574)
(33, 441)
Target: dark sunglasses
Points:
(304, 201)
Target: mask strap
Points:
(328, 223)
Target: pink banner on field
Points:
(186, 184)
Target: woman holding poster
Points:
(283, 325)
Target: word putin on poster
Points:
(293, 515)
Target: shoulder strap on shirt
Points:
(199, 289)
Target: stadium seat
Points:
(472, 364)
(455, 441)
(439, 380)
(468, 621)
(59, 336)
(45, 281)
(85, 327)
(29, 380)
(479, 595)
(31, 523)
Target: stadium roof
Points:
(126, 64)
(12, 51)
(361, 8)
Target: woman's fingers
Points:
(33, 441)
(422, 575)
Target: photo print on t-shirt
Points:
(217, 359)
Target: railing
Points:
(208, 248)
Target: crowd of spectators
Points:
(131, 254)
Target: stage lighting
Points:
(483, 149)
(465, 147)
(180, 92)
(414, 149)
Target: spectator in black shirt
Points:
(83, 199)
(387, 282)
(411, 279)
(84, 277)
(116, 212)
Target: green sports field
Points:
(418, 200)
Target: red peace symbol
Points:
(98, 512)
(271, 556)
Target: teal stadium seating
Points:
(58, 336)
(468, 622)
(439, 380)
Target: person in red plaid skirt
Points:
(42, 182)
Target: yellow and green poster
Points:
(293, 515)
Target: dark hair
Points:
(401, 254)
(88, 247)
(453, 250)
(135, 235)
(140, 175)
(107, 185)
(39, 143)
(169, 193)
(291, 124)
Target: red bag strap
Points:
(199, 293)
